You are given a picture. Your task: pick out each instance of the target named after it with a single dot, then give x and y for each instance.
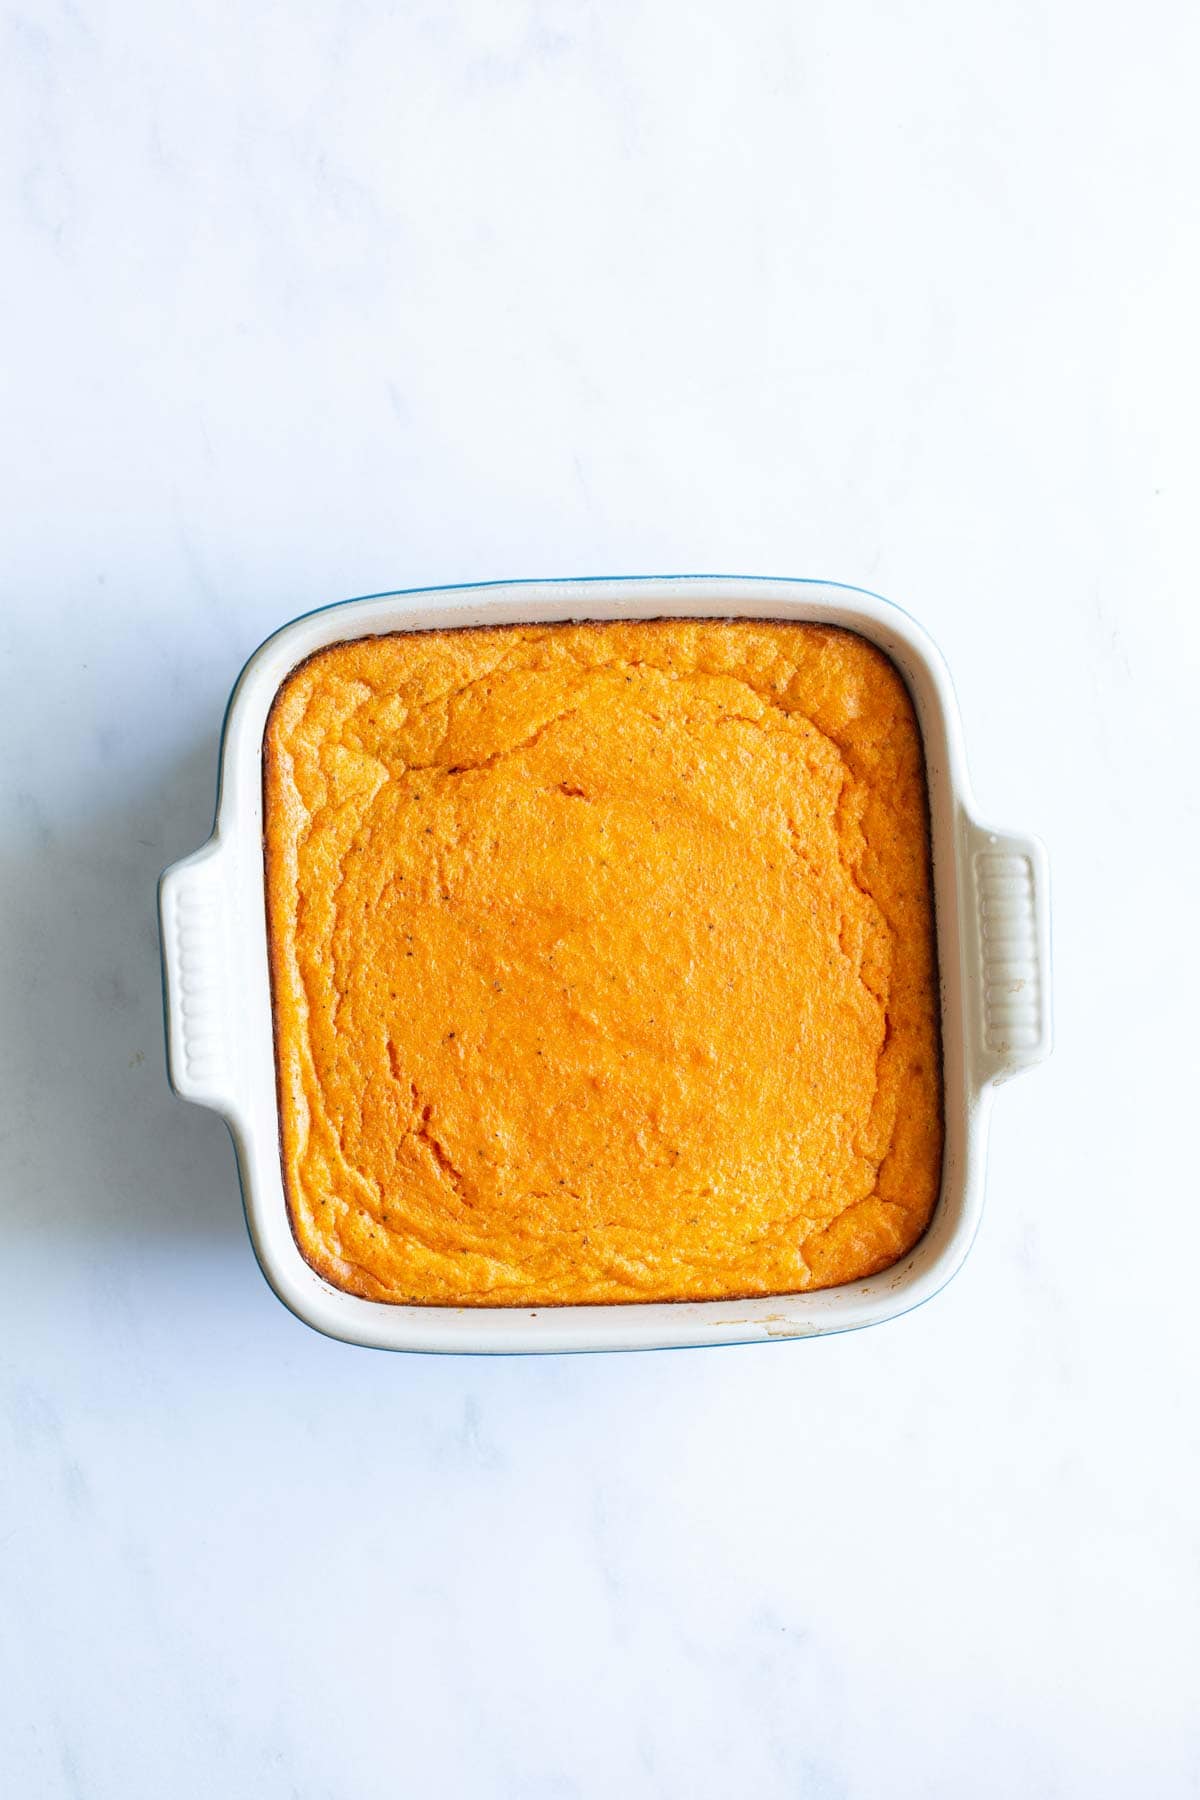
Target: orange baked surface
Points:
(603, 962)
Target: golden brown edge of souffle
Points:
(725, 1296)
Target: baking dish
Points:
(992, 905)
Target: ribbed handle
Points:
(193, 905)
(1012, 918)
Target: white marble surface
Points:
(309, 301)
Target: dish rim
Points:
(216, 983)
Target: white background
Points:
(306, 301)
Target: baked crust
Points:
(603, 962)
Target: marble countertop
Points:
(317, 301)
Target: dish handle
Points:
(1010, 992)
(198, 983)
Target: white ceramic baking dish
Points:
(992, 905)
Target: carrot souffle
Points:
(603, 962)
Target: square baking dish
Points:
(991, 900)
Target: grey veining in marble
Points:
(314, 301)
